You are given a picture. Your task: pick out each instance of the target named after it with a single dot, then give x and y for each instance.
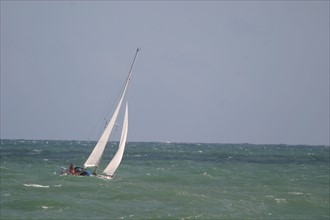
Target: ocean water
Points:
(166, 181)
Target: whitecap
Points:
(278, 200)
(296, 193)
(207, 175)
(183, 193)
(36, 185)
(59, 185)
(46, 207)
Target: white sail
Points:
(95, 157)
(114, 164)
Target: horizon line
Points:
(168, 142)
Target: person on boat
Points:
(72, 170)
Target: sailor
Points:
(71, 169)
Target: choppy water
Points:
(166, 181)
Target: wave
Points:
(36, 185)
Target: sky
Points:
(208, 72)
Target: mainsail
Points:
(113, 165)
(95, 157)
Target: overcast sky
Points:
(216, 71)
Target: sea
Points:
(164, 180)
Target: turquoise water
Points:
(166, 181)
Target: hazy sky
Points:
(216, 71)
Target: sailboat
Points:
(94, 158)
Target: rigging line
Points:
(128, 79)
(110, 107)
(125, 86)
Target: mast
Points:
(95, 157)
